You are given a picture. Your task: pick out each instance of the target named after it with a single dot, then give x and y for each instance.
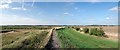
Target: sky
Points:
(58, 13)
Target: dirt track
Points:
(53, 42)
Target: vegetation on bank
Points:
(72, 39)
(97, 32)
(92, 31)
(24, 40)
(24, 27)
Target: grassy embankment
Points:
(72, 39)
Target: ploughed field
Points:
(71, 38)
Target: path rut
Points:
(53, 42)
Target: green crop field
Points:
(72, 39)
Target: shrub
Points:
(97, 31)
(100, 32)
(93, 31)
(73, 27)
(60, 29)
(86, 30)
(68, 27)
(77, 29)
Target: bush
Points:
(77, 29)
(73, 27)
(100, 32)
(86, 30)
(97, 31)
(60, 29)
(68, 26)
(93, 31)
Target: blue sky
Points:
(59, 13)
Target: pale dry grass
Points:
(0, 41)
(19, 36)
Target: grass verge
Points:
(72, 39)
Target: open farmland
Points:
(59, 25)
(51, 37)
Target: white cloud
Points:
(107, 18)
(5, 1)
(7, 6)
(15, 19)
(8, 1)
(95, 1)
(67, 0)
(114, 9)
(4, 6)
(76, 8)
(18, 8)
(24, 9)
(66, 13)
(8, 19)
